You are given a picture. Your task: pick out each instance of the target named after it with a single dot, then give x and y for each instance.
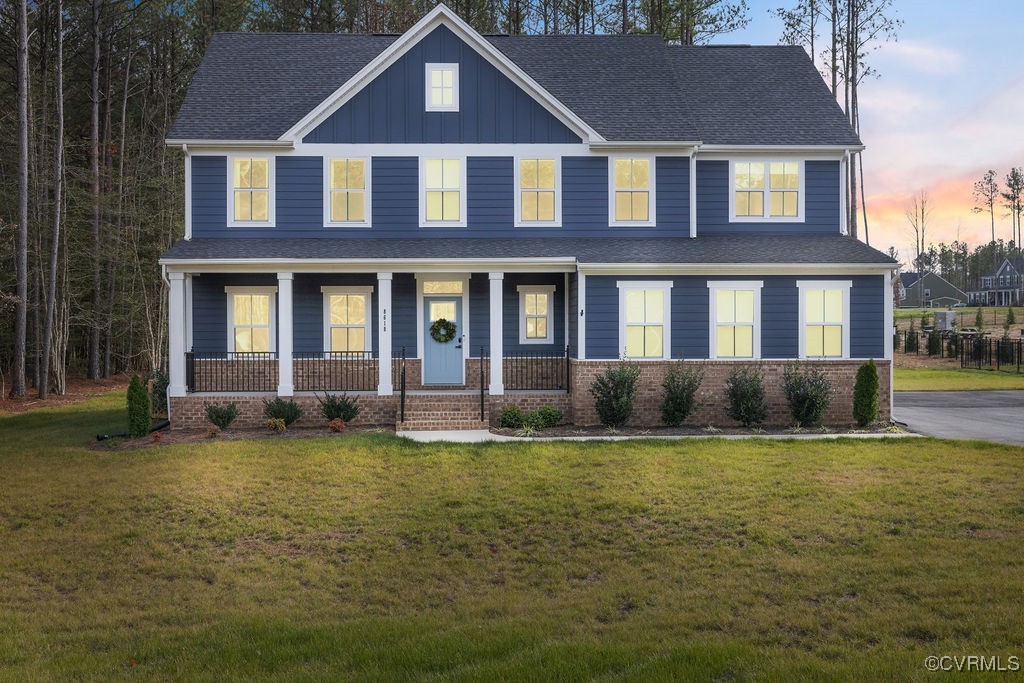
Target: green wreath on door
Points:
(442, 331)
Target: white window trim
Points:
(327, 291)
(652, 202)
(231, 292)
(713, 287)
(550, 315)
(519, 222)
(846, 286)
(767, 161)
(436, 66)
(664, 285)
(272, 191)
(463, 192)
(367, 222)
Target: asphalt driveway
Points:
(989, 415)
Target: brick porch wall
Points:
(647, 408)
(188, 412)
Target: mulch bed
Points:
(598, 430)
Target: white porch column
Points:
(385, 386)
(285, 383)
(497, 350)
(176, 334)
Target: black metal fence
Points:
(231, 371)
(941, 344)
(336, 371)
(1002, 353)
(537, 371)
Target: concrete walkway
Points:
(987, 415)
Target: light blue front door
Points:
(442, 363)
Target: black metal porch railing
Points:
(536, 371)
(231, 371)
(1004, 354)
(335, 371)
(401, 375)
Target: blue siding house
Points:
(448, 223)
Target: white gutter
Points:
(272, 144)
(643, 144)
(781, 148)
(735, 268)
(547, 264)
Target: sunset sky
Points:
(947, 105)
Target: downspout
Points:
(844, 183)
(693, 192)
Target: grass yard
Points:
(954, 379)
(373, 558)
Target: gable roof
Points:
(633, 88)
(909, 279)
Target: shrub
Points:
(1011, 319)
(276, 424)
(336, 425)
(160, 381)
(614, 392)
(221, 416)
(934, 344)
(334, 406)
(745, 390)
(953, 346)
(680, 400)
(926, 319)
(543, 418)
(280, 409)
(140, 410)
(865, 394)
(979, 321)
(1006, 350)
(808, 392)
(511, 418)
(911, 344)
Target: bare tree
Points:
(800, 25)
(1013, 200)
(21, 257)
(94, 159)
(702, 20)
(986, 192)
(917, 215)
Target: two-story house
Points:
(1003, 285)
(448, 223)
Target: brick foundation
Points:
(188, 412)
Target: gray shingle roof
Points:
(711, 249)
(255, 86)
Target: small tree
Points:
(865, 394)
(979, 321)
(1011, 319)
(139, 408)
(745, 391)
(808, 392)
(614, 392)
(680, 400)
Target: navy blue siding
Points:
(492, 109)
(821, 207)
(779, 316)
(308, 308)
(210, 307)
(672, 184)
(403, 319)
(584, 193)
(510, 311)
(574, 311)
(300, 193)
(209, 195)
(479, 313)
(491, 193)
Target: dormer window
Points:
(442, 86)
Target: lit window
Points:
(632, 192)
(442, 87)
(443, 287)
(250, 190)
(250, 320)
(779, 180)
(347, 328)
(347, 191)
(535, 313)
(538, 191)
(442, 187)
(824, 308)
(735, 319)
(644, 327)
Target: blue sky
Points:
(948, 103)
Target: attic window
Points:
(442, 87)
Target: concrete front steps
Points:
(434, 412)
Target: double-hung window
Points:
(735, 315)
(536, 303)
(631, 198)
(767, 191)
(251, 319)
(442, 87)
(644, 319)
(824, 319)
(537, 200)
(250, 188)
(347, 199)
(443, 193)
(347, 315)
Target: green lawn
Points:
(954, 379)
(374, 558)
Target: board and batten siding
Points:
(690, 312)
(821, 200)
(492, 109)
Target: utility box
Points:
(945, 321)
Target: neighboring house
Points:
(1003, 286)
(928, 291)
(449, 223)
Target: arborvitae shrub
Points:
(979, 321)
(934, 344)
(912, 342)
(808, 392)
(745, 390)
(140, 410)
(680, 385)
(1011, 319)
(280, 409)
(160, 381)
(333, 406)
(614, 392)
(221, 416)
(865, 394)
